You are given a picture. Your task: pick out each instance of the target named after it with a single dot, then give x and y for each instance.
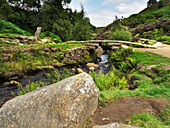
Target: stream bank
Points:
(41, 75)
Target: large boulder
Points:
(66, 104)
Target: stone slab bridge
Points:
(114, 43)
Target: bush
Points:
(121, 35)
(81, 31)
(108, 81)
(7, 27)
(120, 59)
(54, 37)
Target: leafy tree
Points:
(63, 29)
(151, 2)
(81, 30)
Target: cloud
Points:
(76, 4)
(130, 8)
(107, 2)
(102, 17)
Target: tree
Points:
(62, 28)
(151, 2)
(81, 30)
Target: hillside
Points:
(153, 23)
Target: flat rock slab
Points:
(66, 104)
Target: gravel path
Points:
(165, 50)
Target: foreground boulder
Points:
(66, 104)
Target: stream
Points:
(5, 89)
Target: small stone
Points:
(105, 119)
(93, 65)
(12, 82)
(13, 78)
(79, 70)
(91, 68)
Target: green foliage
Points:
(28, 88)
(58, 56)
(54, 37)
(149, 58)
(146, 120)
(56, 76)
(63, 29)
(121, 34)
(160, 4)
(164, 116)
(109, 81)
(152, 83)
(81, 30)
(120, 60)
(7, 27)
(7, 44)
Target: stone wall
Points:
(80, 55)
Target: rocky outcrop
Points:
(114, 125)
(66, 104)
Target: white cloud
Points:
(107, 2)
(102, 17)
(130, 8)
(76, 4)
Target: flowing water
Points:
(104, 64)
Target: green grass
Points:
(61, 46)
(147, 120)
(149, 58)
(7, 27)
(7, 44)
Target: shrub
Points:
(120, 59)
(28, 88)
(108, 81)
(121, 35)
(54, 37)
(7, 27)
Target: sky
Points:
(102, 12)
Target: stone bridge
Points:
(108, 42)
(115, 43)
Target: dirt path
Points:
(165, 50)
(124, 108)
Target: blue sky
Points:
(102, 12)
